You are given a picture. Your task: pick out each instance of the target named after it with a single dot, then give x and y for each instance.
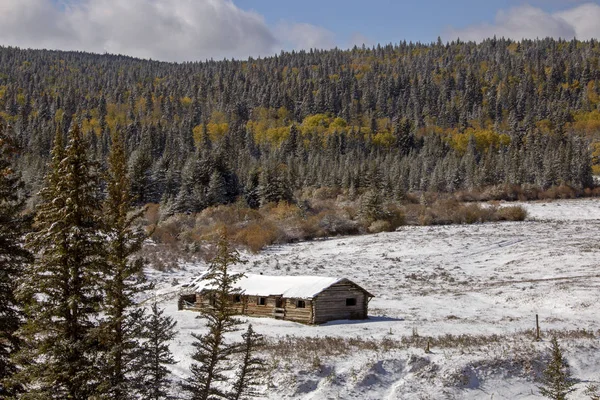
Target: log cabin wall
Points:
(335, 303)
(203, 300)
(254, 308)
(343, 300)
(295, 312)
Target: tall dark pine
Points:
(211, 350)
(13, 258)
(123, 280)
(152, 376)
(63, 285)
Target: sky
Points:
(196, 30)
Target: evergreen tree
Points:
(123, 278)
(251, 367)
(62, 288)
(212, 351)
(557, 380)
(217, 191)
(371, 207)
(152, 376)
(13, 259)
(274, 186)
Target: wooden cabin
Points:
(306, 299)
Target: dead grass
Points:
(305, 349)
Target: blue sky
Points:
(384, 21)
(192, 30)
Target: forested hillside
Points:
(392, 119)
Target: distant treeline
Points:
(395, 119)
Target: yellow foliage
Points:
(58, 115)
(484, 139)
(592, 94)
(339, 123)
(316, 123)
(185, 101)
(91, 125)
(384, 139)
(269, 125)
(587, 123)
(216, 131)
(595, 155)
(274, 136)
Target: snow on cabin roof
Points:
(285, 286)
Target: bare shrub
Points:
(512, 213)
(281, 210)
(396, 216)
(337, 223)
(168, 232)
(152, 214)
(380, 226)
(257, 235)
(558, 192)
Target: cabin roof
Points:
(305, 286)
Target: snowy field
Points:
(487, 281)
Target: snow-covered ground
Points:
(479, 280)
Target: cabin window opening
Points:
(237, 298)
(350, 301)
(300, 304)
(261, 301)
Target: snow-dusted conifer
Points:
(557, 380)
(251, 367)
(211, 351)
(152, 375)
(12, 261)
(62, 288)
(123, 279)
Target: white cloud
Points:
(585, 19)
(161, 29)
(530, 22)
(295, 36)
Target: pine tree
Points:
(212, 352)
(152, 377)
(557, 380)
(123, 278)
(62, 288)
(274, 186)
(217, 191)
(251, 367)
(371, 207)
(13, 259)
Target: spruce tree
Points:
(152, 376)
(557, 380)
(13, 259)
(123, 280)
(251, 367)
(62, 288)
(212, 352)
